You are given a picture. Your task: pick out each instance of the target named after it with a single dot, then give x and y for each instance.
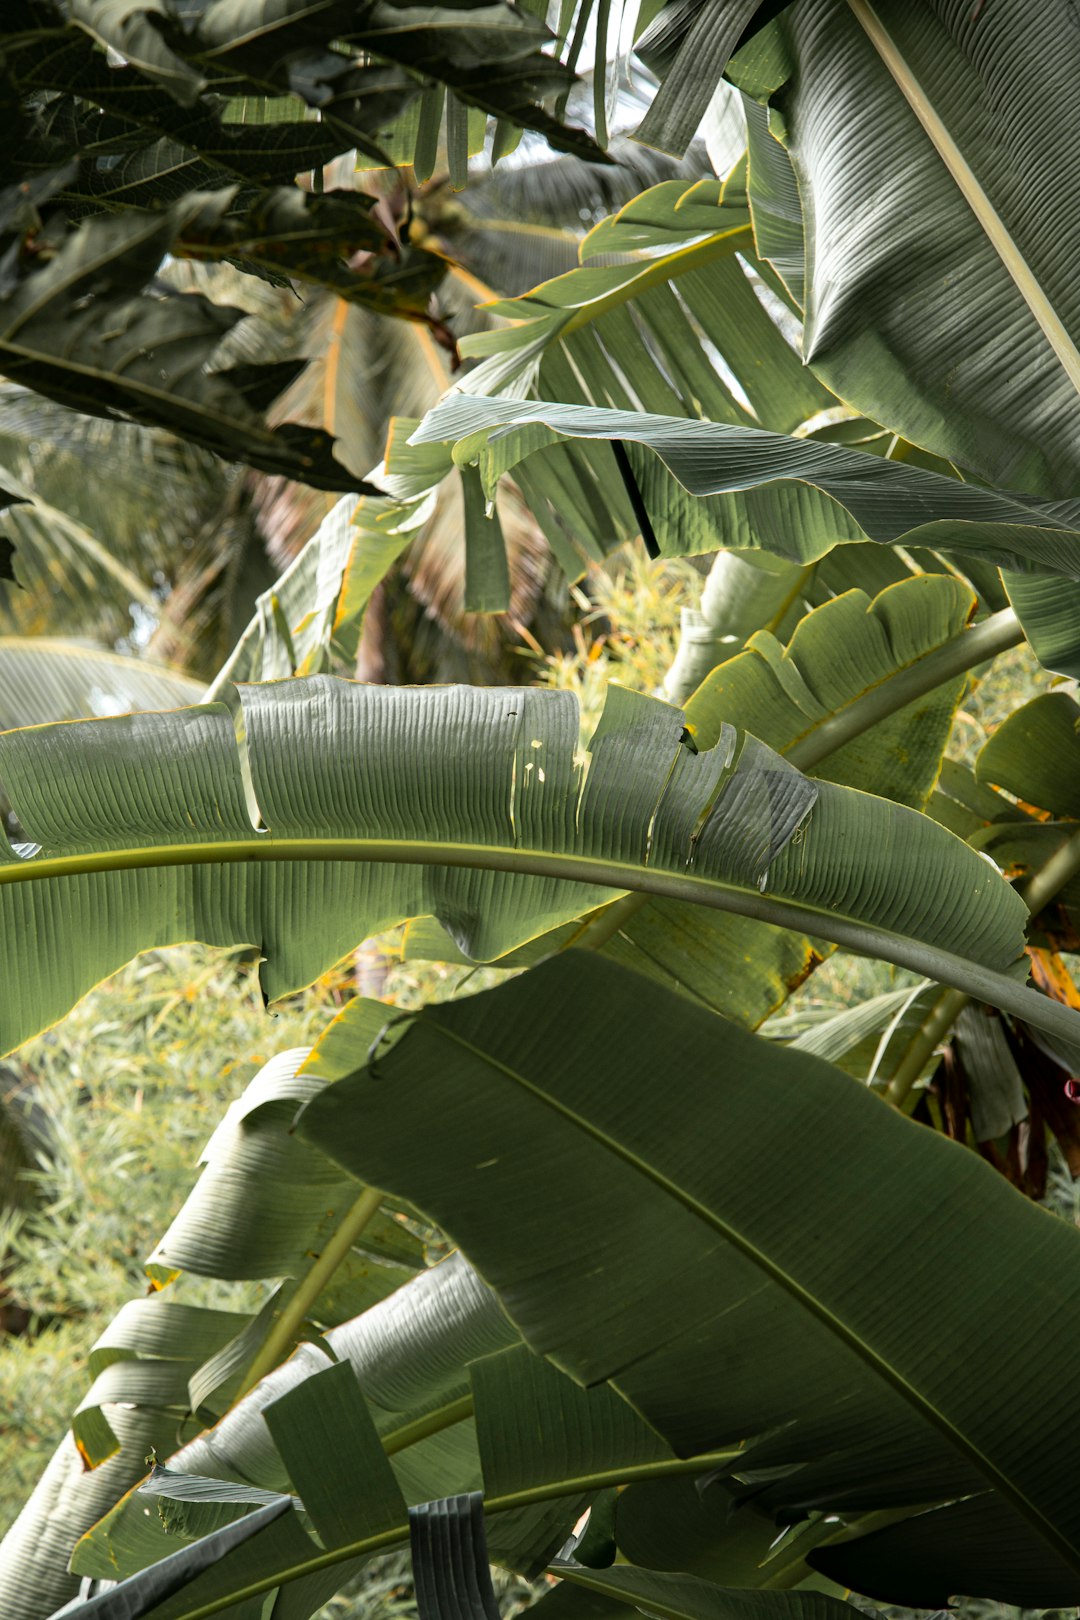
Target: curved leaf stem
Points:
(865, 938)
(965, 651)
(431, 1423)
(934, 1027)
(1052, 877)
(660, 1469)
(1040, 888)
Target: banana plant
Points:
(112, 167)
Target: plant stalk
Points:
(431, 1423)
(1040, 888)
(1051, 878)
(965, 651)
(934, 1027)
(279, 1341)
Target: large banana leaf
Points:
(695, 1318)
(266, 1206)
(539, 1437)
(632, 331)
(354, 808)
(791, 698)
(918, 137)
(795, 497)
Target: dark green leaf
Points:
(151, 1587)
(329, 1445)
(976, 1546)
(450, 1564)
(80, 329)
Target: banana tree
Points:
(603, 1139)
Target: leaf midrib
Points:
(929, 960)
(785, 1280)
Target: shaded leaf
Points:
(973, 1546)
(683, 1322)
(450, 1564)
(80, 329)
(688, 1597)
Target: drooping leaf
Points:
(80, 329)
(409, 1355)
(329, 1445)
(975, 1546)
(1035, 754)
(154, 1586)
(466, 804)
(794, 497)
(908, 163)
(688, 1597)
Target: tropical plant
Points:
(529, 1288)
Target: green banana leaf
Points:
(490, 58)
(263, 138)
(795, 497)
(43, 679)
(1049, 610)
(693, 1321)
(654, 309)
(129, 1600)
(354, 808)
(688, 1597)
(789, 697)
(978, 1543)
(1035, 754)
(908, 130)
(409, 1352)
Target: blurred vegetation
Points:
(131, 1085)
